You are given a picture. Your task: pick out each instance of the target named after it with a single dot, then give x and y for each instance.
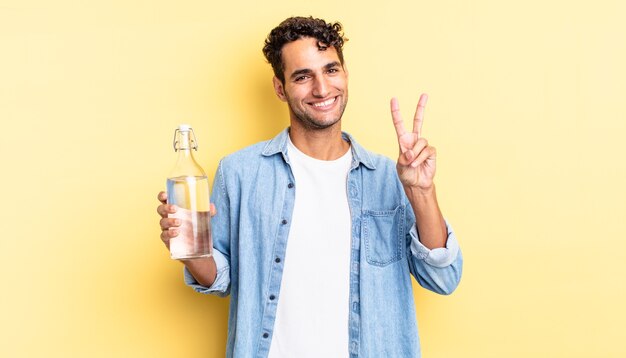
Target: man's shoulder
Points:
(385, 167)
(245, 156)
(372, 160)
(380, 159)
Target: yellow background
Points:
(526, 109)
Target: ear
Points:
(279, 89)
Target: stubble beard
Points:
(310, 123)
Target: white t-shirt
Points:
(313, 304)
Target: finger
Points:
(213, 210)
(418, 120)
(167, 235)
(405, 158)
(425, 154)
(167, 223)
(162, 197)
(165, 209)
(410, 155)
(396, 117)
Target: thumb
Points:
(409, 155)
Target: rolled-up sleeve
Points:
(440, 269)
(439, 257)
(222, 282)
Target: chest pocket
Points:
(383, 234)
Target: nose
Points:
(320, 87)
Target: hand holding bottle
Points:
(203, 269)
(170, 226)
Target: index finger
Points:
(418, 120)
(162, 197)
(397, 118)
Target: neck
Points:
(322, 144)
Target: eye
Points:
(333, 70)
(300, 78)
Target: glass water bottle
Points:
(188, 189)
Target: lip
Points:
(327, 106)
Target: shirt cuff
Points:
(439, 257)
(222, 281)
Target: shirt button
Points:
(272, 297)
(284, 222)
(277, 260)
(290, 185)
(265, 335)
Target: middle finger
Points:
(167, 223)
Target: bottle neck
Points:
(185, 146)
(186, 164)
(185, 154)
(184, 141)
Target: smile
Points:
(326, 103)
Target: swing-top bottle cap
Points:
(184, 133)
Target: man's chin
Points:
(319, 125)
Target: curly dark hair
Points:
(294, 28)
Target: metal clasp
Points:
(193, 140)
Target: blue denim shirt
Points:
(254, 194)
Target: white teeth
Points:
(325, 103)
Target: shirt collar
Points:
(279, 145)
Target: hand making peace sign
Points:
(416, 161)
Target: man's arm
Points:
(436, 260)
(428, 218)
(416, 169)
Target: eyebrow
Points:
(305, 71)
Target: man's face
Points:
(316, 84)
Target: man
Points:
(316, 238)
